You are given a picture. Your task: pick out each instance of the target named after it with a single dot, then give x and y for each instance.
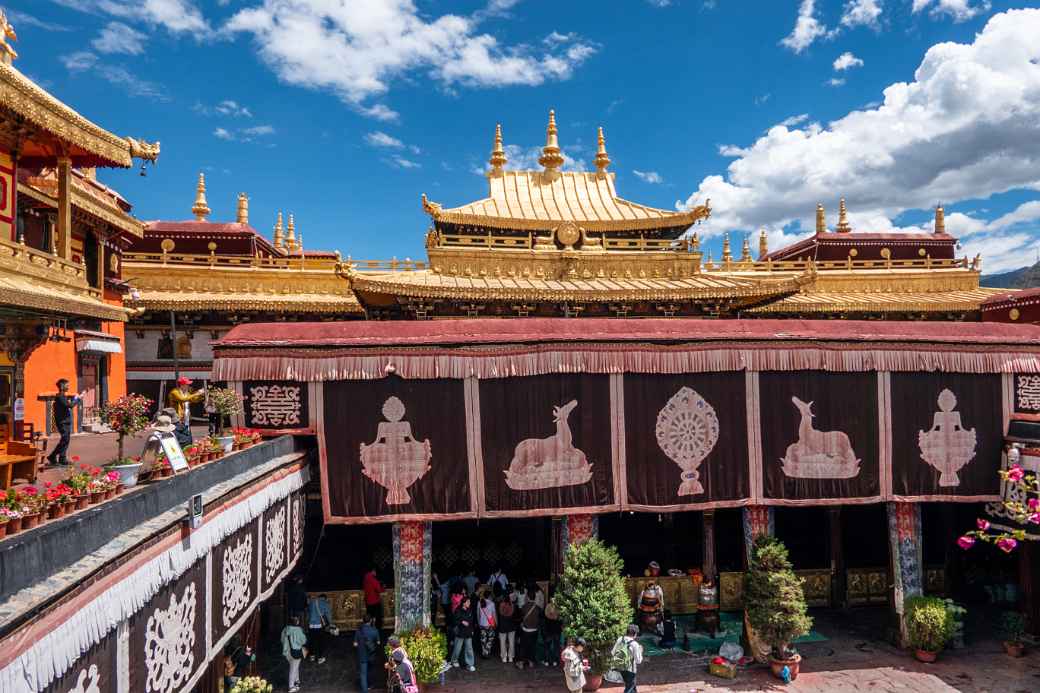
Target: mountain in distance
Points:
(1022, 278)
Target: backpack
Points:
(506, 609)
(621, 655)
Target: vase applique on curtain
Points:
(819, 454)
(169, 642)
(687, 430)
(540, 463)
(395, 459)
(88, 681)
(947, 446)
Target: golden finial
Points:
(7, 52)
(763, 244)
(498, 152)
(200, 209)
(551, 159)
(279, 241)
(727, 256)
(290, 235)
(243, 209)
(602, 160)
(695, 244)
(745, 250)
(821, 219)
(843, 218)
(940, 219)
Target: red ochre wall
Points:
(116, 362)
(49, 362)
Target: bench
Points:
(17, 461)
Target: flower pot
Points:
(793, 664)
(226, 443)
(925, 656)
(30, 521)
(3, 529)
(70, 506)
(1014, 649)
(127, 473)
(593, 682)
(82, 502)
(55, 511)
(110, 494)
(97, 497)
(14, 525)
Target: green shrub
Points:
(592, 600)
(929, 625)
(773, 597)
(427, 648)
(1012, 626)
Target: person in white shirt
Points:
(628, 650)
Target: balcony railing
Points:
(41, 266)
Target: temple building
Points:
(62, 235)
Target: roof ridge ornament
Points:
(498, 153)
(279, 241)
(243, 209)
(763, 244)
(843, 218)
(821, 219)
(940, 219)
(200, 209)
(551, 158)
(7, 52)
(290, 235)
(602, 160)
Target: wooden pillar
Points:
(709, 568)
(904, 543)
(413, 541)
(758, 520)
(837, 559)
(1029, 583)
(64, 208)
(101, 264)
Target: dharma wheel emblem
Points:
(687, 430)
(395, 460)
(946, 445)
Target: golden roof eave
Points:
(877, 302)
(109, 214)
(239, 301)
(22, 96)
(679, 219)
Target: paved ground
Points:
(854, 661)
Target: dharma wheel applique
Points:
(947, 446)
(819, 454)
(395, 460)
(552, 462)
(169, 642)
(88, 681)
(687, 430)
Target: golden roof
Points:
(296, 302)
(91, 204)
(875, 302)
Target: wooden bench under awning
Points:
(17, 461)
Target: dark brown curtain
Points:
(672, 420)
(546, 442)
(974, 449)
(230, 550)
(434, 410)
(96, 665)
(275, 404)
(810, 446)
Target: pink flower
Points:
(1035, 518)
(982, 524)
(1015, 473)
(966, 542)
(1034, 504)
(1007, 544)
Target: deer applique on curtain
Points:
(819, 454)
(540, 463)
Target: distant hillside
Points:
(1023, 278)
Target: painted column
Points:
(413, 541)
(904, 543)
(758, 520)
(575, 529)
(708, 567)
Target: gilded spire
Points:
(602, 160)
(821, 219)
(843, 218)
(243, 209)
(279, 241)
(940, 219)
(727, 256)
(763, 244)
(695, 244)
(7, 52)
(498, 152)
(290, 235)
(551, 158)
(745, 250)
(200, 209)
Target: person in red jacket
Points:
(373, 590)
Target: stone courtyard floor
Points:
(853, 659)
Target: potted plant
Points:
(252, 684)
(593, 603)
(929, 626)
(34, 504)
(13, 519)
(58, 497)
(4, 521)
(127, 416)
(1012, 627)
(226, 403)
(775, 604)
(428, 649)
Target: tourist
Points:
(297, 598)
(294, 650)
(530, 621)
(507, 627)
(238, 659)
(373, 590)
(552, 631)
(181, 398)
(667, 632)
(404, 673)
(463, 620)
(487, 623)
(627, 655)
(574, 666)
(471, 580)
(498, 582)
(319, 618)
(63, 404)
(366, 642)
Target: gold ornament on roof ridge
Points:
(243, 209)
(940, 219)
(551, 158)
(602, 160)
(7, 52)
(843, 218)
(290, 235)
(279, 241)
(821, 219)
(498, 153)
(200, 209)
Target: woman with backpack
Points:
(486, 621)
(294, 650)
(507, 627)
(530, 620)
(626, 656)
(463, 635)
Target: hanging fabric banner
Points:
(94, 672)
(234, 579)
(819, 437)
(687, 436)
(947, 435)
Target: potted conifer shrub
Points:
(775, 604)
(1013, 626)
(929, 626)
(593, 603)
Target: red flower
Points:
(982, 524)
(1015, 473)
(966, 542)
(1007, 544)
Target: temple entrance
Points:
(520, 547)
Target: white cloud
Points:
(807, 28)
(20, 19)
(119, 38)
(847, 61)
(861, 13)
(87, 62)
(965, 128)
(359, 49)
(836, 82)
(248, 134)
(176, 15)
(660, 3)
(227, 107)
(381, 139)
(648, 176)
(793, 120)
(402, 162)
(958, 10)
(223, 134)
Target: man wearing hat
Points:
(181, 398)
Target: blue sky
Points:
(344, 112)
